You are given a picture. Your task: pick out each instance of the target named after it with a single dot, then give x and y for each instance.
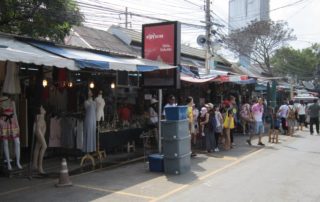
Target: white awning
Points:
(88, 59)
(15, 51)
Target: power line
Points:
(101, 8)
(190, 2)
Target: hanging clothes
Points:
(67, 132)
(79, 134)
(12, 83)
(90, 126)
(2, 71)
(55, 133)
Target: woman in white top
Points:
(154, 117)
(218, 129)
(302, 114)
(195, 113)
(152, 112)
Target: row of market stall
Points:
(63, 78)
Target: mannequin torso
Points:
(100, 107)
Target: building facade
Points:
(241, 13)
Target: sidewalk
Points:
(131, 181)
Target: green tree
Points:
(51, 19)
(299, 63)
(259, 41)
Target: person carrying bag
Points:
(228, 124)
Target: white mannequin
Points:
(39, 128)
(100, 107)
(9, 129)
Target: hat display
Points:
(153, 101)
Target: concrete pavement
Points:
(283, 172)
(132, 182)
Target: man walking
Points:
(313, 111)
(283, 113)
(257, 112)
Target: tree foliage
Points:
(299, 63)
(259, 41)
(39, 18)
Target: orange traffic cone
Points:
(64, 175)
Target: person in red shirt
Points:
(124, 114)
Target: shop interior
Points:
(93, 118)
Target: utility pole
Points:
(208, 35)
(126, 18)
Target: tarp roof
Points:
(13, 50)
(85, 58)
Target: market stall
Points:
(92, 100)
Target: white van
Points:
(306, 99)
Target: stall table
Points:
(109, 140)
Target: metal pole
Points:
(159, 120)
(126, 14)
(208, 33)
(291, 89)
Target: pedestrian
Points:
(218, 127)
(190, 120)
(313, 111)
(291, 118)
(228, 125)
(283, 113)
(210, 132)
(301, 114)
(234, 108)
(245, 117)
(171, 103)
(257, 112)
(274, 125)
(203, 120)
(153, 119)
(195, 112)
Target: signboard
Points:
(162, 42)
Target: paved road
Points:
(288, 171)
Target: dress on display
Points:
(11, 83)
(9, 127)
(89, 127)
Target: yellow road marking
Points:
(230, 158)
(85, 173)
(114, 192)
(108, 167)
(207, 175)
(142, 196)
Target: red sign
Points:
(162, 42)
(159, 43)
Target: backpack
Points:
(291, 113)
